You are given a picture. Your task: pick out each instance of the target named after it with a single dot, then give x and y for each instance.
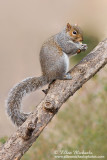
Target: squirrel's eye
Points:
(74, 32)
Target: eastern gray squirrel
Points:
(54, 60)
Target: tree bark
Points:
(59, 91)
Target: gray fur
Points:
(54, 65)
(17, 93)
(65, 42)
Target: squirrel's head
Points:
(74, 32)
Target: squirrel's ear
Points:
(68, 27)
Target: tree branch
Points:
(58, 93)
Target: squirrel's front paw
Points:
(83, 47)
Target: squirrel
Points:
(54, 60)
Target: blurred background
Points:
(24, 25)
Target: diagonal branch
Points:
(58, 93)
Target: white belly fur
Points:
(66, 61)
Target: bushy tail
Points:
(17, 93)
